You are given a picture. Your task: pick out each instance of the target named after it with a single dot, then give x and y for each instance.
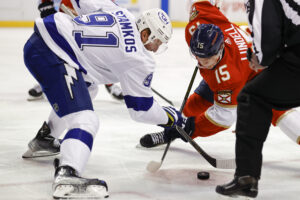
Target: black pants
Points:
(276, 87)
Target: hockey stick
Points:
(220, 164)
(161, 96)
(153, 166)
(67, 10)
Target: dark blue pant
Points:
(66, 94)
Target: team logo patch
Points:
(193, 13)
(147, 80)
(163, 18)
(224, 96)
(228, 41)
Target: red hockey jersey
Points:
(226, 79)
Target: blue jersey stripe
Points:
(50, 25)
(81, 135)
(138, 103)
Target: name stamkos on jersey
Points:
(127, 31)
(224, 96)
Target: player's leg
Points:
(288, 122)
(68, 95)
(46, 142)
(35, 93)
(196, 104)
(199, 101)
(115, 91)
(266, 91)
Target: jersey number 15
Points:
(222, 74)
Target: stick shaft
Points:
(161, 96)
(67, 10)
(182, 106)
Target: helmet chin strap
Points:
(220, 54)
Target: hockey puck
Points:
(203, 175)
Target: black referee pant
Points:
(276, 87)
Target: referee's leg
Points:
(276, 87)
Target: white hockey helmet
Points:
(159, 24)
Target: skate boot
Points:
(115, 91)
(35, 93)
(154, 139)
(43, 144)
(170, 134)
(240, 186)
(68, 185)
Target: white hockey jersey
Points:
(104, 43)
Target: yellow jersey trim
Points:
(225, 106)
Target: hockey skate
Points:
(68, 185)
(155, 139)
(35, 93)
(115, 91)
(43, 144)
(159, 138)
(240, 186)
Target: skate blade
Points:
(31, 98)
(235, 197)
(158, 147)
(69, 192)
(30, 154)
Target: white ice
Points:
(115, 158)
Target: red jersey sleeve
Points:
(67, 3)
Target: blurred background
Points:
(21, 13)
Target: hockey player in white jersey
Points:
(48, 7)
(103, 45)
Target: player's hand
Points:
(254, 64)
(175, 117)
(188, 126)
(253, 61)
(46, 8)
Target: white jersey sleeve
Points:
(136, 88)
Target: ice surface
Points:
(115, 157)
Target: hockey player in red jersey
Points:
(220, 48)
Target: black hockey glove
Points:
(188, 127)
(46, 8)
